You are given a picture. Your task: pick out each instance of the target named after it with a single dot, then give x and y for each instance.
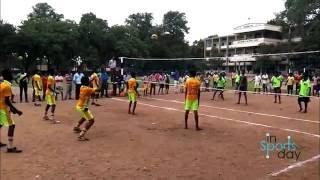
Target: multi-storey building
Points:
(239, 47)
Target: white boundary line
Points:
(295, 165)
(227, 119)
(241, 111)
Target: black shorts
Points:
(303, 99)
(161, 85)
(277, 90)
(220, 89)
(167, 86)
(243, 88)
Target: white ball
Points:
(154, 36)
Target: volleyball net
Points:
(155, 70)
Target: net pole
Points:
(121, 63)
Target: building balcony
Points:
(252, 43)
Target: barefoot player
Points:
(6, 108)
(192, 99)
(304, 93)
(50, 97)
(132, 93)
(37, 87)
(82, 107)
(94, 79)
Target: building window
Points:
(222, 44)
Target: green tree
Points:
(8, 38)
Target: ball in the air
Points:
(20, 57)
(154, 36)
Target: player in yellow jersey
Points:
(132, 87)
(50, 97)
(37, 87)
(95, 83)
(83, 108)
(192, 99)
(6, 108)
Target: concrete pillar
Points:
(219, 45)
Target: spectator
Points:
(77, 81)
(44, 79)
(104, 83)
(59, 85)
(68, 80)
(22, 80)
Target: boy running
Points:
(82, 107)
(192, 99)
(50, 97)
(6, 108)
(304, 93)
(132, 87)
(37, 88)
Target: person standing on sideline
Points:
(237, 80)
(167, 82)
(77, 81)
(68, 80)
(257, 83)
(22, 80)
(304, 93)
(132, 88)
(44, 79)
(37, 88)
(104, 83)
(6, 108)
(297, 79)
(233, 78)
(265, 79)
(95, 84)
(176, 82)
(192, 99)
(315, 89)
(243, 86)
(59, 85)
(153, 84)
(289, 83)
(276, 84)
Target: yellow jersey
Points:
(51, 83)
(84, 97)
(36, 80)
(95, 80)
(5, 91)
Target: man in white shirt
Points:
(77, 81)
(265, 79)
(257, 83)
(59, 84)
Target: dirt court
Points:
(154, 145)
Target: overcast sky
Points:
(205, 17)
